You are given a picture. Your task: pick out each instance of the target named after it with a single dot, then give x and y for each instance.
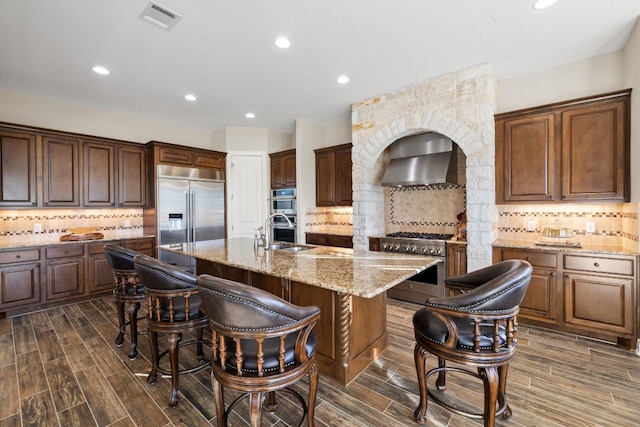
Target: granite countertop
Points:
(591, 248)
(30, 240)
(362, 273)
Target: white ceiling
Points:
(222, 51)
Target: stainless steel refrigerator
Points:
(190, 209)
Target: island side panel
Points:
(368, 332)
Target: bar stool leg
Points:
(174, 341)
(133, 324)
(121, 322)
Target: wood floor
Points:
(61, 367)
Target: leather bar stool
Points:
(128, 292)
(476, 329)
(173, 309)
(260, 343)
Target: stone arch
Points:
(468, 122)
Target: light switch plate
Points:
(531, 226)
(591, 227)
(127, 223)
(37, 228)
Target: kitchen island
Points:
(348, 287)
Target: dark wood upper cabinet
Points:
(165, 153)
(132, 176)
(283, 169)
(99, 174)
(573, 151)
(595, 152)
(334, 176)
(17, 168)
(60, 171)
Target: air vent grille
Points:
(160, 16)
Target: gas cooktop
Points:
(425, 236)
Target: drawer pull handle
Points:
(18, 256)
(553, 275)
(595, 264)
(529, 258)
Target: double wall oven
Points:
(283, 201)
(427, 283)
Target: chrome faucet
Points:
(266, 227)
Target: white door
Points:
(247, 193)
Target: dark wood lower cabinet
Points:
(39, 277)
(351, 332)
(590, 294)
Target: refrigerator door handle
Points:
(192, 212)
(187, 196)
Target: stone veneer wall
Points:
(21, 222)
(459, 105)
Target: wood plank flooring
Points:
(60, 367)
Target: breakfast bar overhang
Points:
(349, 288)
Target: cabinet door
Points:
(525, 159)
(100, 276)
(325, 179)
(65, 277)
(289, 170)
(599, 302)
(20, 284)
(208, 160)
(344, 179)
(17, 169)
(595, 152)
(132, 176)
(456, 259)
(99, 174)
(277, 168)
(539, 302)
(181, 156)
(60, 174)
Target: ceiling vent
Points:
(160, 16)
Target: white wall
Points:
(309, 136)
(48, 113)
(592, 76)
(632, 79)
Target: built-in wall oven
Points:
(283, 201)
(427, 283)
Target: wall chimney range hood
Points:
(422, 159)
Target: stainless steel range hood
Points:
(423, 159)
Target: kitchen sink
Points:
(289, 247)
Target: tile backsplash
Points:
(23, 222)
(329, 220)
(428, 209)
(615, 224)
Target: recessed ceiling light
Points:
(282, 42)
(343, 79)
(100, 70)
(250, 116)
(541, 4)
(190, 97)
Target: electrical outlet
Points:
(531, 226)
(37, 228)
(127, 223)
(591, 227)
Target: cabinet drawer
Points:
(64, 251)
(98, 248)
(19, 256)
(623, 266)
(535, 258)
(138, 245)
